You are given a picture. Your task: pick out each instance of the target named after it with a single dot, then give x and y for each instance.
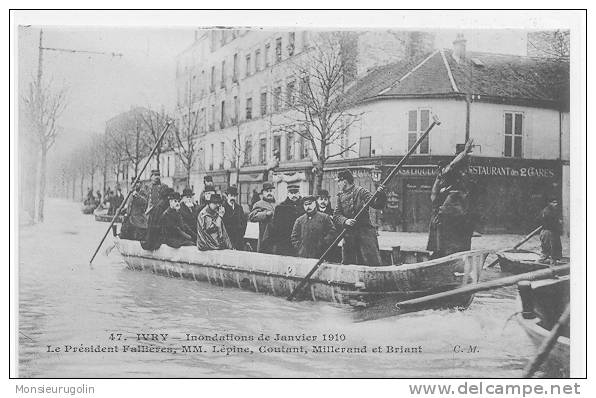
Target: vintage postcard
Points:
(290, 195)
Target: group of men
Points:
(112, 200)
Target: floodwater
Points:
(65, 304)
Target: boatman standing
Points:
(211, 232)
(156, 190)
(262, 212)
(313, 231)
(550, 236)
(134, 225)
(360, 241)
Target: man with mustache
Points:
(234, 218)
(262, 212)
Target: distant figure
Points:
(174, 233)
(284, 217)
(254, 198)
(90, 198)
(207, 191)
(262, 212)
(550, 236)
(234, 218)
(189, 210)
(360, 242)
(98, 197)
(323, 202)
(211, 232)
(134, 225)
(313, 231)
(116, 200)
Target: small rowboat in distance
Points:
(519, 261)
(88, 209)
(355, 285)
(101, 214)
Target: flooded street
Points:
(64, 302)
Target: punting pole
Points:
(138, 177)
(521, 242)
(547, 345)
(364, 208)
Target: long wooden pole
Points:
(138, 177)
(478, 287)
(524, 240)
(364, 208)
(548, 344)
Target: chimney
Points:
(459, 48)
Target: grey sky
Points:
(101, 86)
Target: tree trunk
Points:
(82, 181)
(42, 184)
(188, 170)
(319, 176)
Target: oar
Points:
(489, 285)
(364, 208)
(547, 345)
(521, 242)
(165, 130)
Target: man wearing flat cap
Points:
(189, 210)
(360, 241)
(174, 233)
(234, 218)
(211, 231)
(262, 212)
(313, 231)
(284, 217)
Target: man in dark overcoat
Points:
(156, 191)
(211, 231)
(284, 217)
(234, 218)
(360, 241)
(174, 232)
(189, 210)
(154, 236)
(134, 225)
(550, 236)
(209, 189)
(313, 231)
(262, 212)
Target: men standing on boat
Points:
(211, 231)
(174, 233)
(313, 231)
(323, 202)
(262, 212)
(189, 210)
(284, 217)
(156, 190)
(153, 238)
(234, 218)
(134, 225)
(207, 191)
(550, 236)
(360, 242)
(450, 229)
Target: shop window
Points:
(513, 134)
(418, 122)
(365, 147)
(263, 151)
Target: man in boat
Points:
(254, 198)
(207, 191)
(211, 231)
(116, 200)
(313, 231)
(234, 218)
(189, 210)
(90, 198)
(550, 236)
(154, 236)
(262, 212)
(174, 232)
(285, 215)
(360, 241)
(98, 197)
(134, 225)
(156, 190)
(445, 234)
(323, 202)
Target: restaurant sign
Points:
(483, 170)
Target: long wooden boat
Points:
(519, 261)
(355, 285)
(543, 302)
(88, 209)
(102, 215)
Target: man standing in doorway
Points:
(360, 241)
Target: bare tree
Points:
(154, 123)
(317, 110)
(551, 44)
(44, 106)
(186, 132)
(128, 139)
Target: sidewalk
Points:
(417, 240)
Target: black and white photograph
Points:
(235, 194)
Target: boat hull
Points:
(355, 285)
(520, 261)
(102, 216)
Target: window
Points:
(211, 157)
(235, 153)
(235, 68)
(235, 117)
(304, 88)
(266, 54)
(365, 147)
(257, 60)
(278, 49)
(290, 93)
(277, 99)
(248, 108)
(418, 122)
(290, 145)
(222, 148)
(263, 151)
(248, 152)
(212, 87)
(248, 65)
(513, 134)
(277, 146)
(212, 120)
(344, 144)
(291, 43)
(303, 147)
(223, 74)
(263, 103)
(203, 120)
(222, 118)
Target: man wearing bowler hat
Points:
(207, 191)
(174, 232)
(234, 218)
(262, 212)
(360, 241)
(323, 202)
(211, 231)
(284, 217)
(189, 210)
